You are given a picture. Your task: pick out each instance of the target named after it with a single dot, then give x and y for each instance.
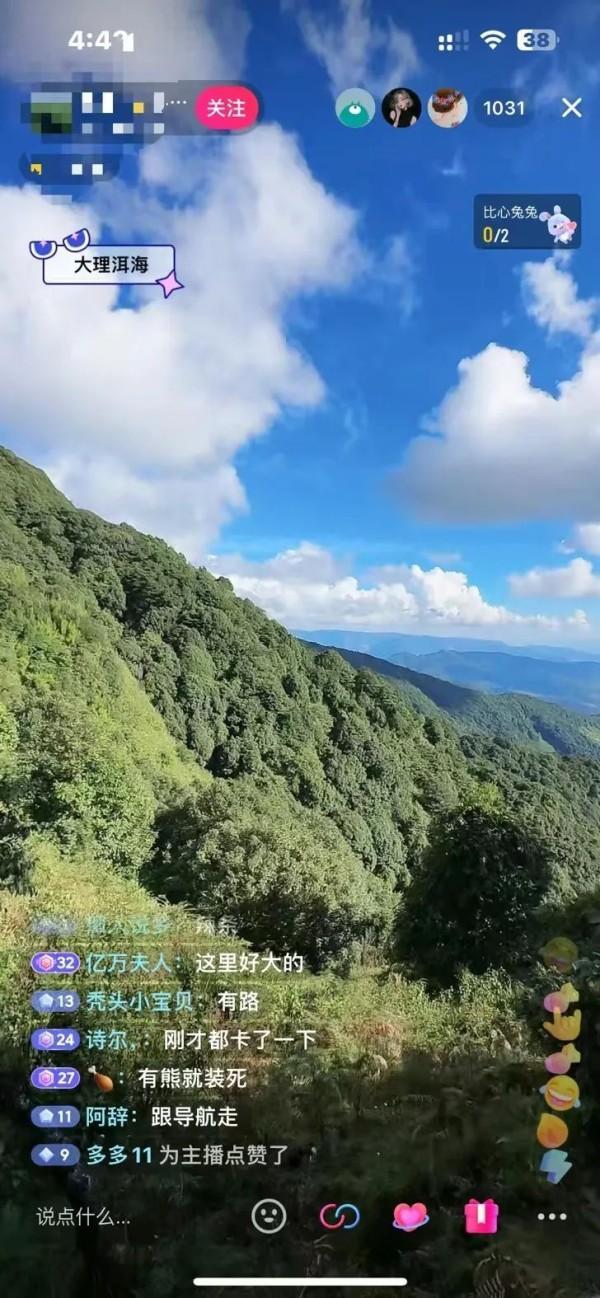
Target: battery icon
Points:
(536, 39)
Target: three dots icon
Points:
(552, 1216)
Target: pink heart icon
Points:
(409, 1216)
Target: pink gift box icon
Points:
(481, 1218)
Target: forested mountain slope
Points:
(518, 718)
(262, 772)
(159, 735)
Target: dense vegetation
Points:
(518, 718)
(160, 737)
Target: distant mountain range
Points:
(386, 644)
(516, 718)
(568, 677)
(571, 684)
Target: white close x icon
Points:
(572, 106)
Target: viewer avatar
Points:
(355, 107)
(560, 226)
(448, 107)
(401, 107)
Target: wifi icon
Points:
(493, 39)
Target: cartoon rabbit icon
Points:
(560, 226)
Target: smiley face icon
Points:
(562, 1093)
(268, 1216)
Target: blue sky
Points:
(305, 416)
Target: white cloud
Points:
(551, 297)
(445, 558)
(544, 88)
(181, 39)
(308, 587)
(579, 620)
(498, 448)
(189, 509)
(355, 49)
(355, 424)
(113, 398)
(586, 536)
(455, 170)
(395, 273)
(576, 580)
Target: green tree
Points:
(472, 902)
(283, 875)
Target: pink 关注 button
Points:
(227, 108)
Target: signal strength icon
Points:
(493, 39)
(453, 42)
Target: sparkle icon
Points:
(169, 283)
